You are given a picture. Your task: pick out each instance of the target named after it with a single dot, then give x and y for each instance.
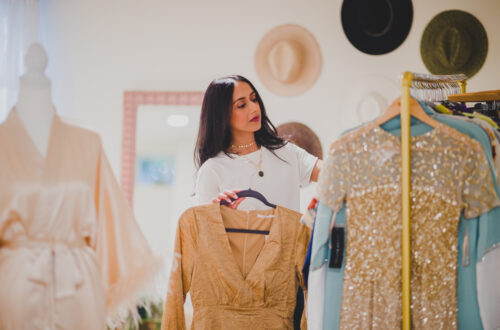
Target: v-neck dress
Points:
(71, 254)
(206, 266)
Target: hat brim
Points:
(302, 136)
(310, 66)
(430, 42)
(402, 17)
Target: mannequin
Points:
(34, 106)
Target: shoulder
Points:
(351, 137)
(288, 151)
(292, 220)
(213, 165)
(81, 134)
(461, 139)
(289, 214)
(192, 215)
(290, 147)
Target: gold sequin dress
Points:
(449, 174)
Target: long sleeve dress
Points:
(231, 286)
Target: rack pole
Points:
(463, 85)
(405, 196)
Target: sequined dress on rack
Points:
(450, 174)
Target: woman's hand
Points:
(227, 195)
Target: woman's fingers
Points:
(237, 202)
(231, 193)
(227, 195)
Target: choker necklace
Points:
(242, 145)
(258, 165)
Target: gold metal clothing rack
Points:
(428, 82)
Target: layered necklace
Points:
(259, 164)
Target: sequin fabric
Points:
(449, 174)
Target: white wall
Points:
(98, 49)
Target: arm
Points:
(316, 170)
(208, 188)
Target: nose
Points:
(255, 108)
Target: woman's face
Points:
(245, 112)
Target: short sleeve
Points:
(305, 162)
(333, 182)
(478, 192)
(207, 184)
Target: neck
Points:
(243, 139)
(244, 143)
(35, 97)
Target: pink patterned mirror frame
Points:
(131, 102)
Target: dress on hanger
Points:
(225, 293)
(482, 234)
(449, 174)
(71, 254)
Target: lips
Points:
(255, 119)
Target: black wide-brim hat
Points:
(454, 42)
(376, 27)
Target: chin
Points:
(256, 127)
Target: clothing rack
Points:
(429, 82)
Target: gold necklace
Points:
(258, 165)
(242, 145)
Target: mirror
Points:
(164, 171)
(158, 171)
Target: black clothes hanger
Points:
(254, 194)
(247, 231)
(250, 193)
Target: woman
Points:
(238, 148)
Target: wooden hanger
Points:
(492, 95)
(415, 110)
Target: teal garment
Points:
(483, 233)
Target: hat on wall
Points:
(376, 27)
(288, 60)
(454, 42)
(302, 136)
(369, 96)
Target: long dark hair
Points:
(214, 133)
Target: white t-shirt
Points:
(280, 184)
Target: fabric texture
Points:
(280, 183)
(368, 193)
(71, 254)
(222, 297)
(483, 235)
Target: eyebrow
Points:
(241, 98)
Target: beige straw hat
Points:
(288, 60)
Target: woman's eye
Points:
(241, 105)
(254, 100)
